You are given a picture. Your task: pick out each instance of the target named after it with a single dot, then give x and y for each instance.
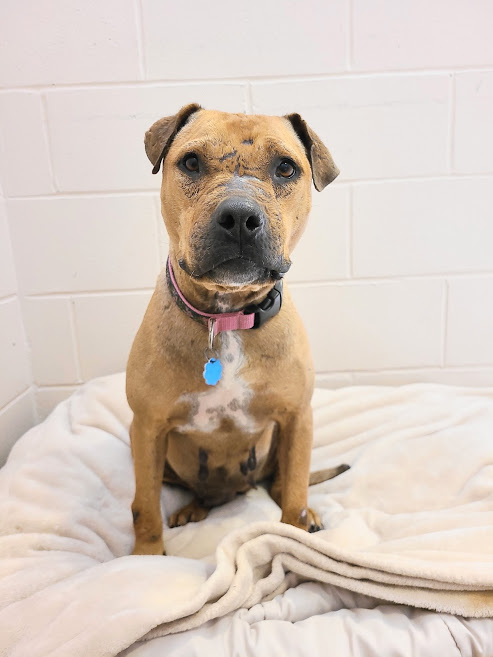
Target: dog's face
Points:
(236, 191)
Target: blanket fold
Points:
(410, 523)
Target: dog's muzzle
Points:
(238, 244)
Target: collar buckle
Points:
(267, 308)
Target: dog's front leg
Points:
(295, 446)
(148, 453)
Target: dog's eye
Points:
(191, 162)
(286, 169)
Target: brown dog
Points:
(235, 197)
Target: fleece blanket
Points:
(409, 528)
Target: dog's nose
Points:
(238, 215)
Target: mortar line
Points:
(29, 352)
(139, 24)
(452, 176)
(72, 294)
(85, 194)
(350, 233)
(15, 399)
(58, 386)
(75, 339)
(457, 369)
(295, 77)
(47, 136)
(20, 297)
(451, 126)
(433, 177)
(350, 39)
(445, 322)
(389, 278)
(33, 388)
(249, 97)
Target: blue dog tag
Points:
(213, 371)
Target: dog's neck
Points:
(212, 301)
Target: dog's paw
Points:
(155, 547)
(307, 519)
(192, 512)
(314, 522)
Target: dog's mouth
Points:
(238, 271)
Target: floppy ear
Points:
(324, 169)
(160, 135)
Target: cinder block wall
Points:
(395, 274)
(17, 395)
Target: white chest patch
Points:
(229, 398)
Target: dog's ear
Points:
(324, 169)
(160, 135)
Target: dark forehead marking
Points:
(247, 141)
(227, 156)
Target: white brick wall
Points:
(375, 126)
(17, 411)
(394, 275)
(473, 124)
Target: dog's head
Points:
(236, 191)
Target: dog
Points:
(220, 376)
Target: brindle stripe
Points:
(252, 459)
(227, 156)
(203, 469)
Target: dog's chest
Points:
(229, 399)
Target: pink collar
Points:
(252, 316)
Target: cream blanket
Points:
(411, 522)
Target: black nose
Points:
(238, 215)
